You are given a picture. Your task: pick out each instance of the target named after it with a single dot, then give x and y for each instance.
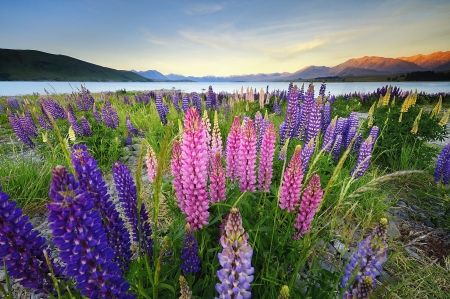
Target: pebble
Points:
(392, 230)
(411, 251)
(339, 246)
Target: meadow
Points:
(290, 193)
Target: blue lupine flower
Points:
(196, 101)
(185, 103)
(160, 110)
(441, 165)
(86, 126)
(109, 122)
(19, 130)
(363, 161)
(189, 253)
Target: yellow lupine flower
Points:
(370, 115)
(437, 109)
(386, 97)
(44, 137)
(393, 102)
(380, 101)
(444, 118)
(401, 117)
(415, 126)
(71, 134)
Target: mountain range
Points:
(364, 66)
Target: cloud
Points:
(203, 9)
(161, 41)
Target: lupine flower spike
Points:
(189, 253)
(311, 199)
(363, 161)
(232, 150)
(217, 178)
(237, 272)
(186, 293)
(284, 293)
(152, 164)
(247, 158)
(176, 172)
(443, 166)
(216, 138)
(292, 182)
(266, 159)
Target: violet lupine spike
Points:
(237, 271)
(363, 161)
(185, 103)
(152, 164)
(282, 133)
(216, 137)
(129, 139)
(357, 144)
(329, 136)
(2, 109)
(277, 108)
(247, 158)
(13, 104)
(308, 102)
(175, 101)
(374, 133)
(97, 116)
(367, 261)
(326, 116)
(130, 126)
(91, 180)
(217, 178)
(43, 123)
(189, 252)
(196, 101)
(232, 150)
(311, 199)
(74, 124)
(176, 172)
(127, 194)
(166, 108)
(23, 249)
(54, 108)
(211, 99)
(337, 146)
(18, 129)
(81, 239)
(314, 122)
(86, 126)
(307, 153)
(265, 168)
(194, 170)
(28, 123)
(291, 115)
(292, 182)
(160, 110)
(353, 124)
(112, 113)
(322, 89)
(362, 290)
(207, 130)
(442, 162)
(109, 122)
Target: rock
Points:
(340, 247)
(412, 252)
(327, 266)
(392, 230)
(401, 203)
(428, 223)
(331, 249)
(136, 147)
(347, 256)
(422, 215)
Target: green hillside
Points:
(31, 65)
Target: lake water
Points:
(8, 88)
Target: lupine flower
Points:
(216, 137)
(277, 108)
(109, 122)
(189, 252)
(194, 170)
(443, 166)
(282, 155)
(97, 116)
(290, 122)
(329, 136)
(112, 113)
(247, 158)
(129, 139)
(23, 249)
(363, 161)
(81, 239)
(88, 100)
(266, 159)
(18, 129)
(366, 261)
(260, 127)
(337, 146)
(175, 102)
(186, 293)
(152, 164)
(307, 153)
(303, 116)
(176, 172)
(54, 108)
(353, 124)
(363, 289)
(85, 126)
(196, 101)
(165, 108)
(12, 103)
(185, 102)
(74, 124)
(237, 272)
(130, 126)
(126, 190)
(292, 182)
(2, 109)
(374, 133)
(232, 150)
(284, 293)
(211, 100)
(160, 110)
(91, 180)
(326, 118)
(28, 123)
(314, 122)
(217, 177)
(311, 199)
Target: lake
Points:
(16, 88)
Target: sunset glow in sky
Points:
(225, 37)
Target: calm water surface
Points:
(16, 88)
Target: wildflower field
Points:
(265, 194)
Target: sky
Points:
(223, 38)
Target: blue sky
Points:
(225, 37)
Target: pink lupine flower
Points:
(217, 177)
(207, 129)
(216, 139)
(266, 159)
(310, 202)
(176, 172)
(232, 150)
(292, 182)
(247, 158)
(194, 170)
(152, 164)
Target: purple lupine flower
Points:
(146, 99)
(91, 180)
(13, 104)
(282, 132)
(211, 100)
(189, 252)
(329, 136)
(43, 123)
(81, 239)
(194, 170)
(311, 199)
(237, 271)
(88, 100)
(353, 124)
(2, 109)
(232, 150)
(54, 108)
(18, 129)
(282, 154)
(112, 113)
(126, 190)
(129, 139)
(291, 116)
(86, 126)
(258, 127)
(109, 122)
(374, 133)
(175, 101)
(217, 178)
(196, 101)
(357, 143)
(130, 126)
(363, 161)
(160, 110)
(126, 100)
(322, 90)
(27, 123)
(97, 116)
(247, 158)
(367, 260)
(185, 103)
(23, 249)
(363, 289)
(265, 169)
(307, 153)
(292, 182)
(314, 122)
(74, 124)
(152, 164)
(441, 165)
(326, 116)
(277, 108)
(337, 146)
(166, 108)
(176, 172)
(308, 102)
